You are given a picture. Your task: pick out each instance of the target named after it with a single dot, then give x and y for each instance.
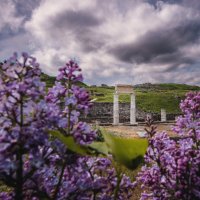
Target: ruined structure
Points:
(163, 115)
(124, 89)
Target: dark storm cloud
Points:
(89, 41)
(160, 46)
(76, 20)
(8, 32)
(23, 10)
(195, 4)
(173, 60)
(81, 24)
(26, 7)
(154, 2)
(129, 40)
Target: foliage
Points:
(174, 86)
(172, 169)
(126, 151)
(49, 80)
(40, 134)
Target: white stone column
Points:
(163, 115)
(133, 110)
(116, 109)
(148, 116)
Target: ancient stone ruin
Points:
(124, 89)
(118, 113)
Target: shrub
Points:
(172, 169)
(33, 163)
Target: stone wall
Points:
(103, 112)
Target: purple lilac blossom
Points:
(172, 166)
(34, 165)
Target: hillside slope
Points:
(149, 97)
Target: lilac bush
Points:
(33, 163)
(22, 120)
(172, 169)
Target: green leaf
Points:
(99, 147)
(127, 151)
(91, 150)
(69, 142)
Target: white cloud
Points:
(8, 16)
(89, 30)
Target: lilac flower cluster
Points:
(35, 165)
(172, 169)
(71, 101)
(189, 123)
(22, 119)
(79, 177)
(85, 178)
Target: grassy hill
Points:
(50, 80)
(149, 97)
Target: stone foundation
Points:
(103, 112)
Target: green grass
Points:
(174, 86)
(159, 96)
(48, 79)
(153, 101)
(148, 98)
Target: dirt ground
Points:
(135, 131)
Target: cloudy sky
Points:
(115, 41)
